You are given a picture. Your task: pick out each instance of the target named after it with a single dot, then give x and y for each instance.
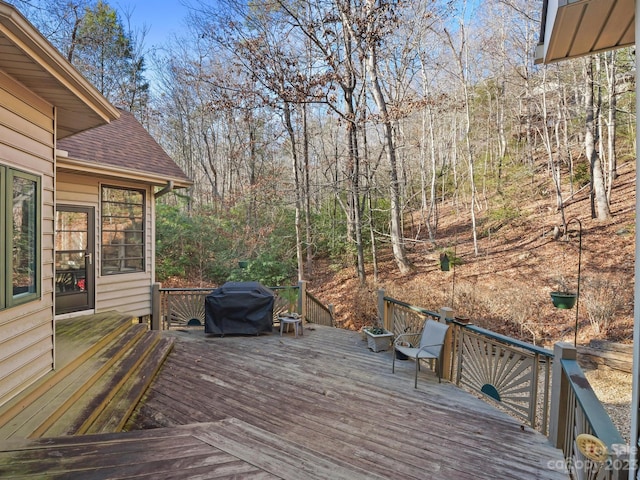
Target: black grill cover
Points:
(244, 308)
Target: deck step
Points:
(65, 366)
(114, 417)
(98, 385)
(44, 411)
(79, 411)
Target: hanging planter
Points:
(444, 262)
(243, 263)
(565, 300)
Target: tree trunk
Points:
(297, 187)
(463, 64)
(307, 192)
(397, 236)
(599, 193)
(428, 120)
(610, 66)
(354, 185)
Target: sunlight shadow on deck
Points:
(319, 406)
(328, 393)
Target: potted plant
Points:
(449, 259)
(290, 295)
(563, 297)
(378, 339)
(444, 262)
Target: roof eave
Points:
(79, 166)
(85, 100)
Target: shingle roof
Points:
(123, 143)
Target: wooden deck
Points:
(319, 406)
(104, 364)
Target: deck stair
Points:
(104, 364)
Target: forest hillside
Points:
(506, 288)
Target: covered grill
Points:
(244, 308)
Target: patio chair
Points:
(429, 347)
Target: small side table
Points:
(295, 321)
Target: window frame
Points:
(142, 232)
(7, 297)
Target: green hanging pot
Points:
(444, 262)
(243, 263)
(565, 300)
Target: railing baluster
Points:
(534, 388)
(545, 396)
(498, 365)
(180, 306)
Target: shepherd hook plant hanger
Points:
(566, 233)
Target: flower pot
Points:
(243, 263)
(379, 342)
(444, 262)
(565, 300)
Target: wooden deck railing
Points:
(575, 411)
(546, 389)
(180, 307)
(514, 374)
(317, 312)
(173, 307)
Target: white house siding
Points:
(128, 293)
(27, 143)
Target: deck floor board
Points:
(327, 392)
(320, 406)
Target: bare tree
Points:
(600, 204)
(460, 53)
(367, 34)
(610, 59)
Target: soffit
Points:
(581, 27)
(29, 58)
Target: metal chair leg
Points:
(393, 362)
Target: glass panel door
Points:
(75, 273)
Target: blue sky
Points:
(163, 18)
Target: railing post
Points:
(560, 388)
(446, 313)
(156, 323)
(447, 350)
(382, 311)
(302, 299)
